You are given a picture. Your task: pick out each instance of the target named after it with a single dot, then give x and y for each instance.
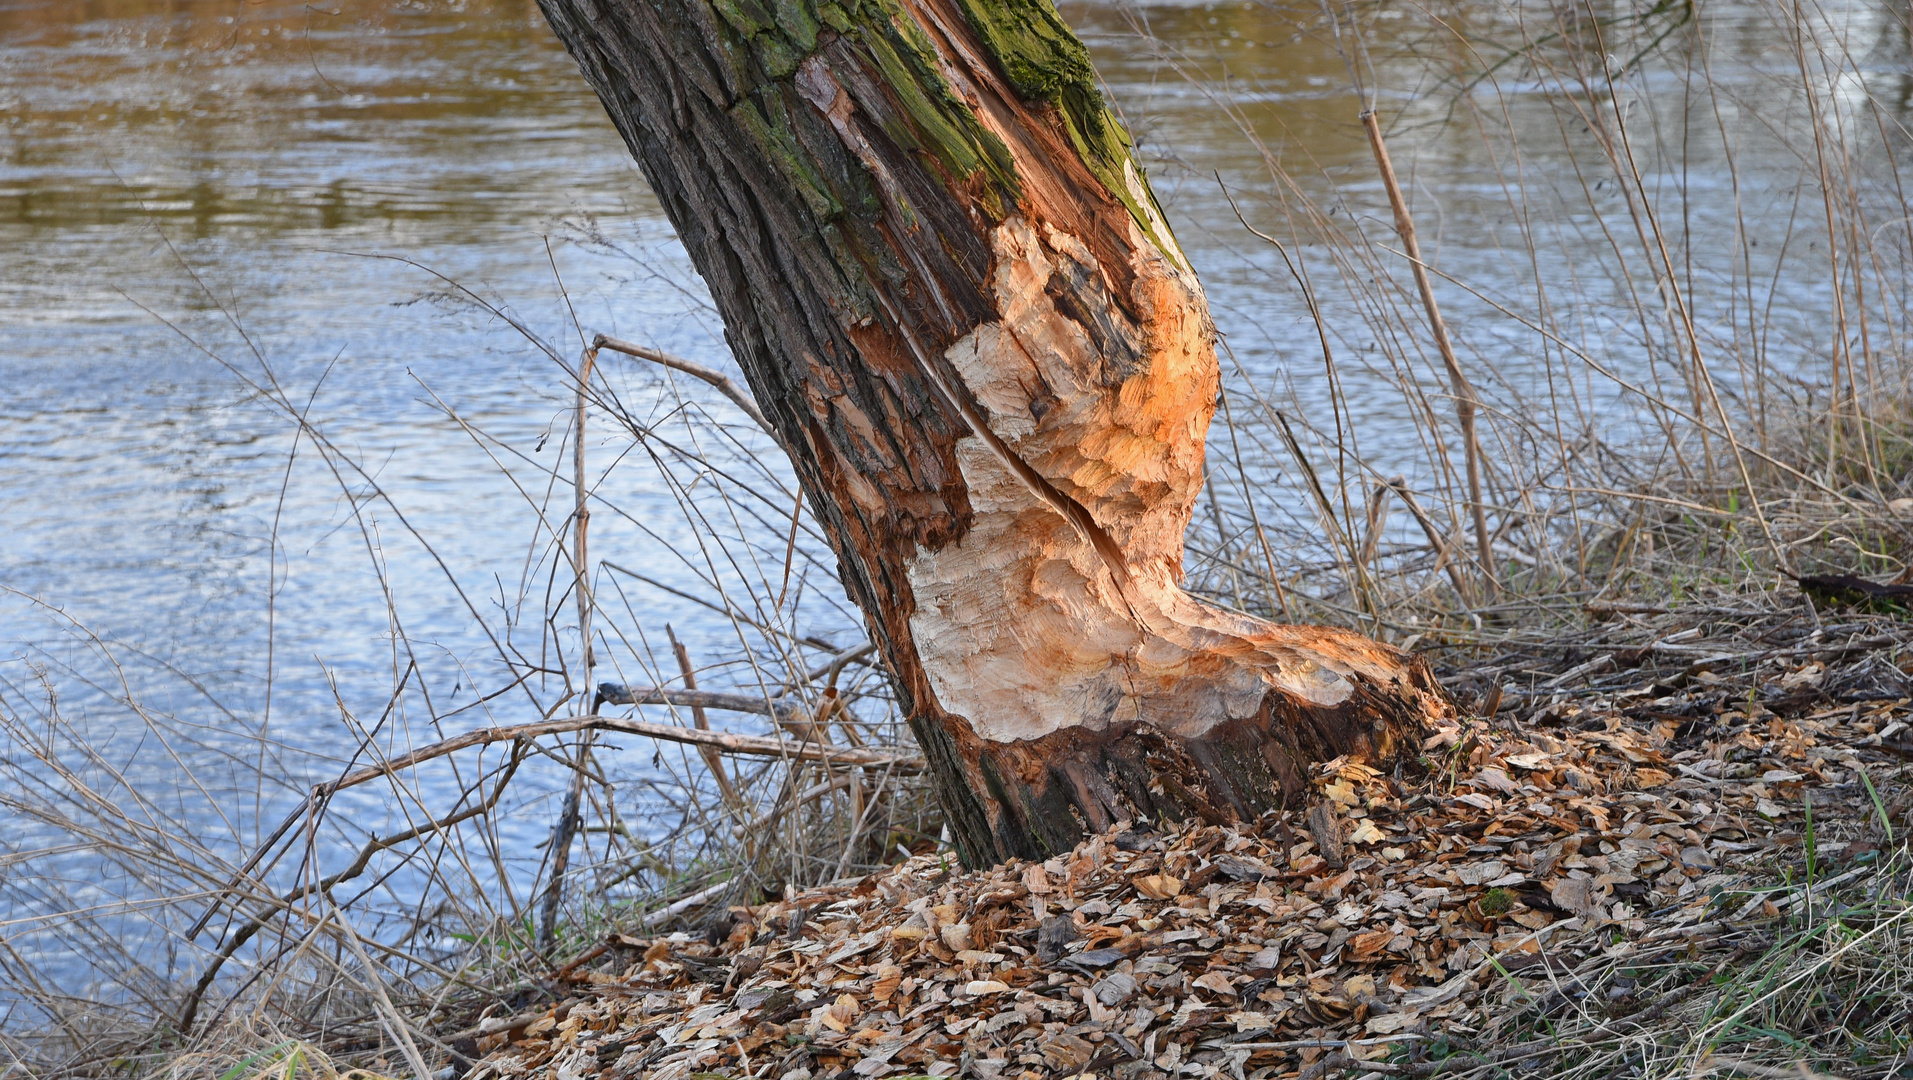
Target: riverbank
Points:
(1663, 828)
(1686, 851)
(1676, 811)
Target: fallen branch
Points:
(724, 384)
(679, 907)
(610, 693)
(758, 745)
(189, 1011)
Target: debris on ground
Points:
(1395, 912)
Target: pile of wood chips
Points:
(1392, 914)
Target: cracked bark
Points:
(958, 304)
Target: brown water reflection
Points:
(449, 121)
(282, 116)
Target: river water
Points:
(213, 213)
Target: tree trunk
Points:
(957, 301)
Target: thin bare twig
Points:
(724, 384)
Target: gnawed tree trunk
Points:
(958, 303)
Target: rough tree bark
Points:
(957, 301)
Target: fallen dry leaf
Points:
(1199, 934)
(1158, 886)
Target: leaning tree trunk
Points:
(957, 301)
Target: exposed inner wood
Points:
(993, 368)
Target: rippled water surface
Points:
(206, 204)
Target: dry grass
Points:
(1681, 389)
(1818, 990)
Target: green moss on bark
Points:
(932, 118)
(1044, 60)
(773, 38)
(1040, 57)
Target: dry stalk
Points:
(1467, 402)
(712, 759)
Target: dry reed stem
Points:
(1467, 402)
